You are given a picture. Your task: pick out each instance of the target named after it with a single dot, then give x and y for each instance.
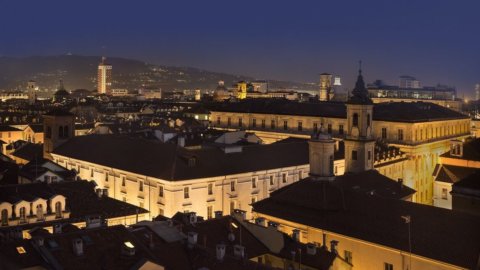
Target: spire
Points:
(360, 92)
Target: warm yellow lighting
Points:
(21, 250)
(129, 245)
(234, 225)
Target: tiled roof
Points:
(169, 162)
(391, 111)
(439, 234)
(451, 174)
(29, 151)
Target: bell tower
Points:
(321, 151)
(58, 127)
(359, 141)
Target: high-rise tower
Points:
(359, 142)
(104, 78)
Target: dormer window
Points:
(58, 210)
(4, 217)
(23, 215)
(355, 120)
(456, 149)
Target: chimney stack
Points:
(333, 246)
(220, 250)
(78, 247)
(311, 249)
(296, 235)
(218, 214)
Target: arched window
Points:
(60, 132)
(4, 217)
(355, 120)
(23, 215)
(58, 210)
(39, 212)
(368, 120)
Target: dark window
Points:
(240, 122)
(284, 178)
(263, 123)
(300, 127)
(272, 180)
(315, 127)
(368, 120)
(66, 132)
(384, 133)
(254, 182)
(354, 155)
(340, 129)
(272, 124)
(209, 212)
(210, 189)
(400, 134)
(254, 123)
(4, 217)
(355, 120)
(285, 125)
(186, 193)
(232, 186)
(58, 210)
(369, 155)
(329, 128)
(229, 121)
(388, 266)
(49, 132)
(160, 191)
(60, 132)
(140, 186)
(218, 120)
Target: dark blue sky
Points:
(438, 41)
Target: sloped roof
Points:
(410, 112)
(169, 162)
(376, 219)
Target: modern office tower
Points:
(104, 79)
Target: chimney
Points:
(324, 241)
(239, 251)
(57, 228)
(105, 192)
(272, 224)
(311, 249)
(296, 235)
(192, 217)
(192, 239)
(333, 246)
(218, 214)
(400, 182)
(240, 214)
(78, 247)
(99, 192)
(181, 141)
(39, 241)
(220, 249)
(261, 221)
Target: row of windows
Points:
(422, 134)
(39, 213)
(285, 125)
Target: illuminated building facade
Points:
(104, 77)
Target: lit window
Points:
(254, 182)
(284, 178)
(232, 186)
(186, 193)
(140, 186)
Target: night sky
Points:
(436, 41)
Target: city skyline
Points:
(433, 41)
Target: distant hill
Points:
(80, 72)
